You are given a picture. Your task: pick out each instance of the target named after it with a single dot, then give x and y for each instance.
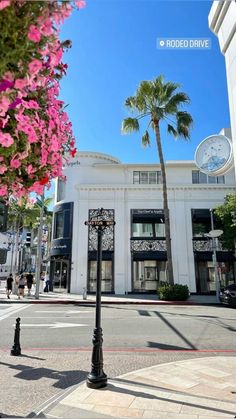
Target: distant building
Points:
(222, 21)
(134, 251)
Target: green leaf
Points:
(130, 125)
(146, 139)
(184, 122)
(171, 130)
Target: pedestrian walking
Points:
(21, 286)
(9, 285)
(47, 282)
(29, 280)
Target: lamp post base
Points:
(94, 381)
(97, 378)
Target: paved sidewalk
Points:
(203, 388)
(65, 298)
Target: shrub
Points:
(176, 292)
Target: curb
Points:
(91, 302)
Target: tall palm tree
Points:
(158, 101)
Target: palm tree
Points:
(23, 214)
(158, 101)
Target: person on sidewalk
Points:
(29, 279)
(47, 282)
(21, 286)
(9, 285)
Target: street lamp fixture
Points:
(97, 378)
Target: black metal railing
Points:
(141, 244)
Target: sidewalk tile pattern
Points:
(202, 388)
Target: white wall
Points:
(222, 21)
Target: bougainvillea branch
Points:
(35, 132)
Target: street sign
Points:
(99, 223)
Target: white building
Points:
(222, 21)
(134, 252)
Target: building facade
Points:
(134, 250)
(222, 21)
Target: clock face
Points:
(213, 154)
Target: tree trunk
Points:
(165, 203)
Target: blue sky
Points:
(114, 48)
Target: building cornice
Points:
(201, 187)
(170, 163)
(96, 155)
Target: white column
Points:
(121, 245)
(80, 244)
(181, 240)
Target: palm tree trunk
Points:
(165, 203)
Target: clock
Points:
(214, 155)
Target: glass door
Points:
(60, 275)
(146, 275)
(107, 278)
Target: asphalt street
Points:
(124, 327)
(56, 345)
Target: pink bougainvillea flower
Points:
(37, 187)
(80, 4)
(30, 169)
(46, 29)
(21, 83)
(30, 104)
(15, 163)
(14, 104)
(6, 84)
(35, 113)
(35, 66)
(4, 3)
(34, 34)
(3, 122)
(3, 190)
(2, 169)
(6, 139)
(4, 105)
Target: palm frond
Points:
(175, 102)
(146, 139)
(130, 125)
(184, 123)
(184, 118)
(172, 130)
(145, 88)
(183, 131)
(130, 103)
(169, 89)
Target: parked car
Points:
(228, 295)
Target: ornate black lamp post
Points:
(97, 378)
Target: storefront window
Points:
(148, 274)
(148, 230)
(160, 230)
(59, 225)
(106, 284)
(142, 230)
(60, 190)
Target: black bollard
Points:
(16, 349)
